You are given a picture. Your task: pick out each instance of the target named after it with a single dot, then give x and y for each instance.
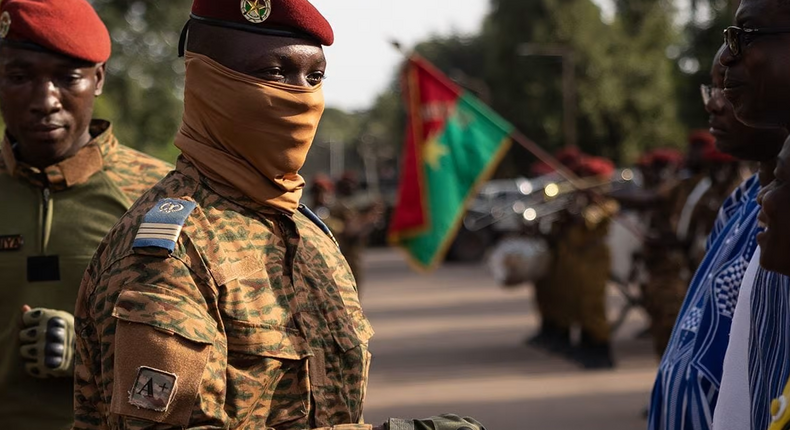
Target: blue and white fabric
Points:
(769, 343)
(689, 376)
(162, 225)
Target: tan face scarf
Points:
(248, 133)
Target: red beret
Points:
(68, 27)
(322, 182)
(645, 160)
(595, 166)
(569, 156)
(276, 17)
(713, 155)
(540, 168)
(666, 157)
(702, 139)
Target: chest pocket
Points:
(267, 375)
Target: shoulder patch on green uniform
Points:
(162, 225)
(317, 221)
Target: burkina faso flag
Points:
(453, 144)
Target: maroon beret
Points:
(68, 27)
(294, 18)
(713, 155)
(702, 139)
(595, 166)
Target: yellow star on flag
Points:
(432, 153)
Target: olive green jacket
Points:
(51, 222)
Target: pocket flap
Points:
(352, 330)
(164, 311)
(265, 340)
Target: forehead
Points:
(249, 45)
(762, 13)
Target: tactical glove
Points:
(47, 343)
(441, 422)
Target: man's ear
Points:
(101, 74)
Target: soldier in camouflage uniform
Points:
(573, 291)
(219, 301)
(355, 221)
(586, 261)
(64, 182)
(554, 334)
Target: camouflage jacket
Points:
(252, 321)
(51, 221)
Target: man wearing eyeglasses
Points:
(756, 83)
(686, 390)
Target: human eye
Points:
(315, 78)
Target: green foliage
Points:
(630, 92)
(145, 75)
(703, 41)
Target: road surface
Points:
(452, 341)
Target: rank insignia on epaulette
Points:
(162, 225)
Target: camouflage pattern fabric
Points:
(667, 265)
(88, 193)
(255, 313)
(551, 295)
(574, 289)
(584, 255)
(663, 294)
(351, 245)
(705, 214)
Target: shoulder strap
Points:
(317, 221)
(162, 225)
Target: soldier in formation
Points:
(356, 218)
(573, 292)
(64, 180)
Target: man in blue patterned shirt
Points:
(757, 86)
(687, 385)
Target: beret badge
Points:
(256, 11)
(5, 24)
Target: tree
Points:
(622, 73)
(145, 76)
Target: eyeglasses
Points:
(708, 92)
(734, 36)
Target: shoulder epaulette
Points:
(162, 224)
(317, 221)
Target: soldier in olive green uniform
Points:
(64, 182)
(218, 300)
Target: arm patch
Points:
(162, 225)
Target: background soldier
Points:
(218, 300)
(554, 334)
(64, 182)
(573, 291)
(355, 217)
(587, 265)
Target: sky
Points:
(361, 62)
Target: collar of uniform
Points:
(70, 172)
(227, 192)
